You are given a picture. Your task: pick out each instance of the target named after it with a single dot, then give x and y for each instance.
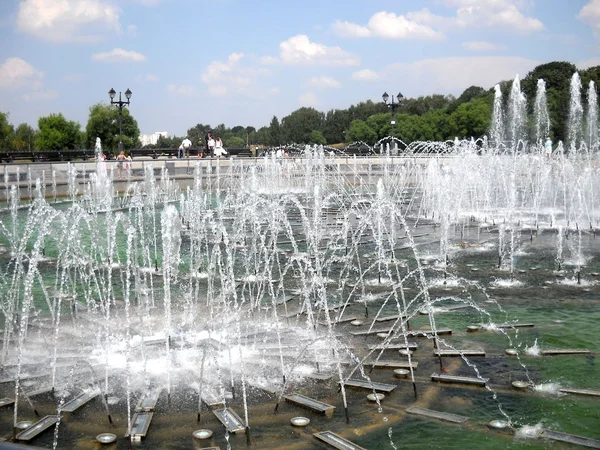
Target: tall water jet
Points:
(497, 131)
(101, 182)
(592, 117)
(517, 113)
(540, 114)
(574, 125)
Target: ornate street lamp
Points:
(120, 103)
(392, 106)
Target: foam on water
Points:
(529, 431)
(506, 283)
(548, 388)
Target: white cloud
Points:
(365, 75)
(481, 46)
(49, 94)
(146, 78)
(119, 55)
(586, 64)
(351, 30)
(323, 82)
(18, 73)
(502, 14)
(388, 25)
(223, 76)
(299, 50)
(308, 99)
(182, 89)
(68, 20)
(590, 14)
(217, 70)
(452, 75)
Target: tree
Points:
(103, 122)
(234, 142)
(557, 76)
(57, 133)
(472, 119)
(24, 138)
(274, 138)
(196, 133)
(298, 126)
(336, 122)
(360, 131)
(6, 132)
(316, 137)
(363, 110)
(381, 124)
(262, 136)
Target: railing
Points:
(72, 155)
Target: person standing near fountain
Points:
(548, 146)
(120, 160)
(219, 150)
(210, 143)
(186, 144)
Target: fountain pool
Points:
(277, 289)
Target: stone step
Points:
(230, 420)
(371, 386)
(569, 438)
(140, 425)
(447, 417)
(41, 425)
(310, 403)
(337, 441)
(80, 400)
(459, 379)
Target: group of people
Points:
(122, 159)
(214, 147)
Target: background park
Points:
(427, 118)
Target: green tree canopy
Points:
(6, 132)
(234, 142)
(24, 138)
(316, 137)
(360, 131)
(274, 138)
(103, 122)
(57, 133)
(298, 126)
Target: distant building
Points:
(152, 139)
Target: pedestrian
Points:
(219, 150)
(211, 145)
(187, 144)
(200, 148)
(120, 160)
(180, 152)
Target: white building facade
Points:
(152, 139)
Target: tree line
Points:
(433, 117)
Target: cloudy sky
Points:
(240, 62)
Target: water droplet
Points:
(385, 419)
(380, 410)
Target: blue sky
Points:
(240, 62)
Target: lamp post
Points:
(392, 106)
(120, 103)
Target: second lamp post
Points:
(393, 106)
(120, 103)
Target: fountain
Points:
(540, 114)
(260, 303)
